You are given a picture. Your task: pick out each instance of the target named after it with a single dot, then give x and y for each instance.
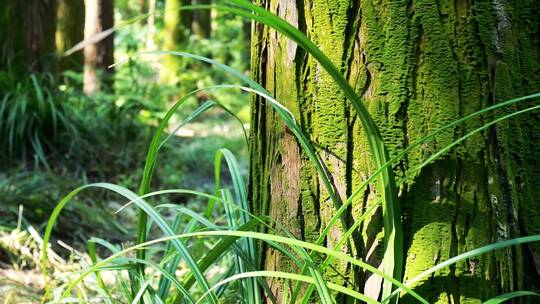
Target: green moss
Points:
(418, 65)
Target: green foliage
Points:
(37, 115)
(231, 231)
(511, 295)
(393, 234)
(30, 116)
(213, 242)
(12, 49)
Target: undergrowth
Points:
(182, 255)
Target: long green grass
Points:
(30, 116)
(228, 231)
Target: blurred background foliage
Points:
(55, 135)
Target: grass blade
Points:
(291, 276)
(269, 238)
(393, 230)
(443, 150)
(140, 293)
(511, 295)
(199, 276)
(468, 255)
(241, 197)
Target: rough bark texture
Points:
(177, 26)
(69, 32)
(418, 64)
(27, 34)
(99, 17)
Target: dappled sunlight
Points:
(230, 151)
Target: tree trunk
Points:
(150, 43)
(27, 34)
(99, 17)
(246, 28)
(69, 32)
(202, 20)
(418, 66)
(177, 27)
(143, 9)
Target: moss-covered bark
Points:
(419, 65)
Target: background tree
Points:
(247, 37)
(143, 9)
(28, 34)
(176, 28)
(69, 32)
(151, 23)
(99, 17)
(418, 65)
(202, 20)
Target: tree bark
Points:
(69, 32)
(150, 43)
(177, 27)
(418, 65)
(202, 20)
(143, 9)
(99, 17)
(246, 28)
(27, 35)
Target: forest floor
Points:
(187, 163)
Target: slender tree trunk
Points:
(177, 26)
(247, 27)
(418, 66)
(40, 25)
(143, 9)
(99, 17)
(202, 20)
(150, 43)
(186, 17)
(69, 32)
(11, 17)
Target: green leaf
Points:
(269, 238)
(162, 224)
(468, 255)
(511, 295)
(295, 277)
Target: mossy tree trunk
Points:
(99, 17)
(69, 32)
(418, 65)
(177, 28)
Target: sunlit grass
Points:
(231, 229)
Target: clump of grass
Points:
(207, 260)
(30, 116)
(151, 271)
